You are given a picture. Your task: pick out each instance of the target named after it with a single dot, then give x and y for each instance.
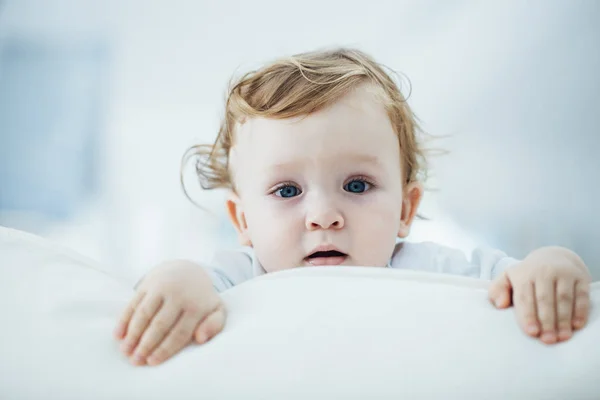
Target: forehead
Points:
(356, 126)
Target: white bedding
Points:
(331, 333)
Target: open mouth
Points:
(331, 257)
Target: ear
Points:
(411, 198)
(238, 218)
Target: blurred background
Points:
(99, 100)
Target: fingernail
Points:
(152, 360)
(201, 338)
(564, 334)
(498, 303)
(138, 358)
(548, 337)
(119, 331)
(578, 323)
(126, 347)
(532, 329)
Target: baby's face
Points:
(325, 189)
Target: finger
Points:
(565, 294)
(500, 291)
(524, 300)
(156, 331)
(121, 328)
(581, 307)
(179, 337)
(545, 295)
(211, 326)
(140, 320)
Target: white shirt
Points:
(230, 268)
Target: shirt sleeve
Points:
(485, 263)
(491, 262)
(230, 268)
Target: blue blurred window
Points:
(51, 116)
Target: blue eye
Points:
(287, 191)
(357, 186)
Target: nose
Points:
(324, 217)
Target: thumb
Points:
(500, 291)
(210, 326)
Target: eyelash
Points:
(282, 185)
(359, 178)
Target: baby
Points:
(322, 160)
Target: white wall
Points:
(514, 82)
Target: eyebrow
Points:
(358, 158)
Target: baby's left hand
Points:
(550, 292)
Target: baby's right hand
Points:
(175, 302)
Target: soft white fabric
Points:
(318, 333)
(230, 268)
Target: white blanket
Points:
(313, 333)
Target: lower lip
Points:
(326, 260)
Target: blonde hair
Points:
(298, 86)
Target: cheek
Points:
(276, 232)
(378, 223)
(379, 212)
(376, 226)
(270, 218)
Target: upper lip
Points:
(324, 247)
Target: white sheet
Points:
(331, 333)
